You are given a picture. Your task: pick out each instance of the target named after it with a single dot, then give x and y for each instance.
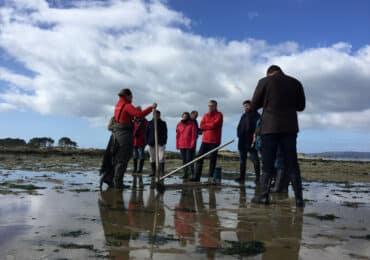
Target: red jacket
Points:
(139, 133)
(129, 111)
(211, 126)
(186, 135)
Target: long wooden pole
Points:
(196, 159)
(155, 118)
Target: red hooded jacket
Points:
(186, 135)
(211, 126)
(139, 133)
(128, 112)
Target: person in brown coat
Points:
(280, 96)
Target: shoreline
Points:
(69, 160)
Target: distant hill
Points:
(343, 155)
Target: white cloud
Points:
(82, 56)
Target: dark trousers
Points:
(204, 148)
(288, 145)
(243, 161)
(187, 155)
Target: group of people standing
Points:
(273, 134)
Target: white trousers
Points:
(161, 149)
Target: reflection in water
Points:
(196, 224)
(136, 222)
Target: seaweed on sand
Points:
(29, 187)
(322, 217)
(244, 248)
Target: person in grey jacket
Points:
(281, 97)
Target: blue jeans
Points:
(288, 145)
(139, 153)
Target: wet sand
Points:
(63, 215)
(312, 170)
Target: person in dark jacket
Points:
(194, 117)
(211, 126)
(280, 96)
(186, 140)
(245, 131)
(124, 114)
(162, 141)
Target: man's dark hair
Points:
(273, 68)
(186, 113)
(193, 112)
(247, 102)
(158, 112)
(126, 92)
(214, 102)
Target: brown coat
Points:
(280, 96)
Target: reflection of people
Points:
(282, 226)
(121, 224)
(209, 233)
(211, 126)
(123, 133)
(186, 137)
(185, 217)
(115, 222)
(245, 131)
(280, 96)
(162, 141)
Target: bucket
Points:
(217, 175)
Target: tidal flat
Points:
(51, 208)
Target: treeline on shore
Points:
(38, 142)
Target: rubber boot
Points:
(243, 168)
(279, 181)
(161, 169)
(297, 187)
(134, 182)
(119, 172)
(263, 198)
(152, 164)
(257, 171)
(186, 173)
(141, 165)
(198, 173)
(135, 166)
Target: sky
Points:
(62, 64)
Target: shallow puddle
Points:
(71, 219)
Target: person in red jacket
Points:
(139, 142)
(186, 138)
(211, 126)
(124, 114)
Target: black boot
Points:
(161, 169)
(134, 182)
(198, 173)
(257, 171)
(119, 172)
(263, 198)
(134, 170)
(152, 164)
(242, 170)
(141, 165)
(186, 173)
(297, 186)
(279, 182)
